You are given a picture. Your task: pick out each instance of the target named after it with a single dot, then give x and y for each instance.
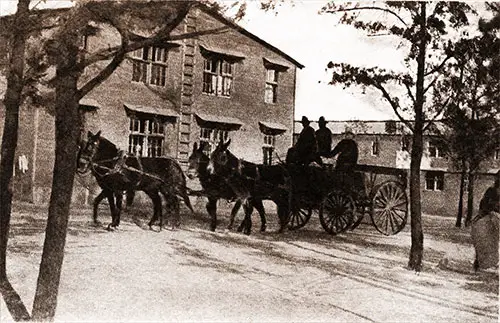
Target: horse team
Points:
(222, 176)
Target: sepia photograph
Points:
(249, 161)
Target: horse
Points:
(116, 172)
(215, 188)
(251, 182)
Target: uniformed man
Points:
(347, 151)
(323, 137)
(305, 150)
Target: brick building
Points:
(162, 99)
(388, 143)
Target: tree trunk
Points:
(470, 200)
(458, 224)
(12, 101)
(67, 130)
(417, 236)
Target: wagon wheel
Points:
(389, 207)
(336, 212)
(299, 217)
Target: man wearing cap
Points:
(347, 151)
(324, 137)
(305, 150)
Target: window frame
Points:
(375, 148)
(212, 136)
(436, 148)
(218, 76)
(142, 132)
(268, 148)
(146, 64)
(437, 180)
(405, 143)
(271, 86)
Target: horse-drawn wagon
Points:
(342, 199)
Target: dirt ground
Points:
(192, 274)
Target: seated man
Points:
(324, 137)
(347, 151)
(305, 150)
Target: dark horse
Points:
(215, 188)
(252, 182)
(116, 172)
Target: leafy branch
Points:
(349, 75)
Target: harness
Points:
(119, 167)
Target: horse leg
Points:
(212, 210)
(257, 203)
(476, 264)
(172, 205)
(155, 197)
(248, 208)
(114, 218)
(119, 199)
(283, 215)
(234, 211)
(98, 200)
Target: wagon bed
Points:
(342, 199)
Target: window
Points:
(146, 137)
(217, 77)
(149, 65)
(268, 149)
(83, 43)
(436, 149)
(212, 136)
(271, 94)
(375, 147)
(434, 181)
(405, 143)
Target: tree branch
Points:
(369, 8)
(393, 104)
(440, 66)
(432, 120)
(119, 56)
(431, 84)
(110, 52)
(410, 93)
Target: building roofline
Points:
(201, 6)
(245, 32)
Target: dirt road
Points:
(192, 274)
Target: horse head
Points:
(222, 161)
(88, 150)
(198, 161)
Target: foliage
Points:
(401, 24)
(473, 118)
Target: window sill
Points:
(216, 96)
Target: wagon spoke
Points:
(391, 221)
(401, 216)
(400, 204)
(397, 217)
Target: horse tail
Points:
(181, 190)
(185, 198)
